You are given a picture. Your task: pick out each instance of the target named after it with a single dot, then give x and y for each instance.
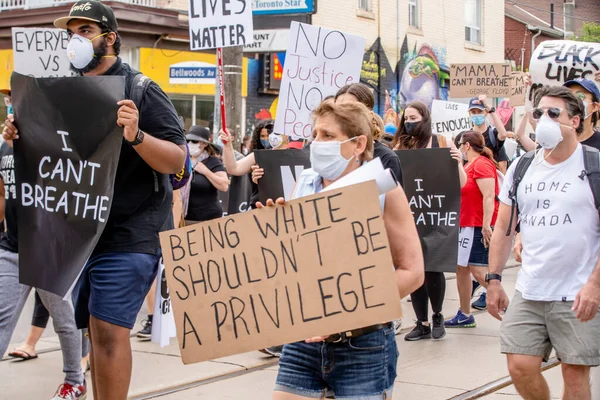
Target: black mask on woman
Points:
(411, 127)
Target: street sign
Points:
(268, 40)
(261, 7)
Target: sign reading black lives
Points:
(314, 266)
(65, 164)
(282, 169)
(432, 187)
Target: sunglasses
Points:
(553, 112)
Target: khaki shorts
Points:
(535, 327)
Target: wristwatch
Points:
(489, 277)
(139, 138)
(492, 110)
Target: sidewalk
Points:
(465, 360)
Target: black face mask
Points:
(411, 127)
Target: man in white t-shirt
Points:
(558, 287)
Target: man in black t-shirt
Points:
(114, 283)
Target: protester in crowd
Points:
(14, 294)
(414, 132)
(357, 92)
(208, 179)
(260, 141)
(245, 147)
(478, 212)
(126, 256)
(558, 287)
(343, 143)
(494, 136)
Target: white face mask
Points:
(194, 149)
(547, 132)
(327, 160)
(275, 140)
(80, 51)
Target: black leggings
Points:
(434, 290)
(40, 313)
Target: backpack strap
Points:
(492, 136)
(520, 170)
(138, 88)
(591, 162)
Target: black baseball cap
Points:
(90, 10)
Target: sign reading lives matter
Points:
(219, 23)
(65, 164)
(555, 62)
(432, 187)
(283, 167)
(472, 80)
(41, 52)
(318, 63)
(315, 266)
(449, 118)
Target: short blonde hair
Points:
(354, 120)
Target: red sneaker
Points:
(66, 391)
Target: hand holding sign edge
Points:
(270, 203)
(10, 131)
(128, 118)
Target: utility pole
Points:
(232, 70)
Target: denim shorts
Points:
(471, 250)
(363, 368)
(113, 286)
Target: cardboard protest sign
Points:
(433, 190)
(237, 198)
(65, 164)
(316, 266)
(472, 80)
(518, 89)
(555, 62)
(449, 118)
(318, 63)
(41, 52)
(219, 23)
(282, 169)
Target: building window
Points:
(414, 19)
(363, 5)
(473, 18)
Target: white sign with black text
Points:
(268, 40)
(318, 63)
(40, 52)
(449, 118)
(220, 23)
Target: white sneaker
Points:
(67, 391)
(397, 326)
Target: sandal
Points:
(22, 355)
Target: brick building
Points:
(527, 24)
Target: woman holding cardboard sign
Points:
(414, 132)
(361, 364)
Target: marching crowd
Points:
(544, 206)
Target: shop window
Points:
(414, 17)
(184, 106)
(204, 111)
(473, 19)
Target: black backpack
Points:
(591, 162)
(139, 85)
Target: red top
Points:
(471, 202)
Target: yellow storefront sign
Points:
(184, 72)
(6, 68)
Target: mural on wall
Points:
(420, 74)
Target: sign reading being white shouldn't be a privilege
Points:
(318, 63)
(220, 23)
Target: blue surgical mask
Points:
(390, 128)
(9, 110)
(265, 143)
(478, 120)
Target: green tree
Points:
(590, 32)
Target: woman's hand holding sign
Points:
(128, 117)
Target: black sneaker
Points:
(420, 332)
(438, 331)
(146, 331)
